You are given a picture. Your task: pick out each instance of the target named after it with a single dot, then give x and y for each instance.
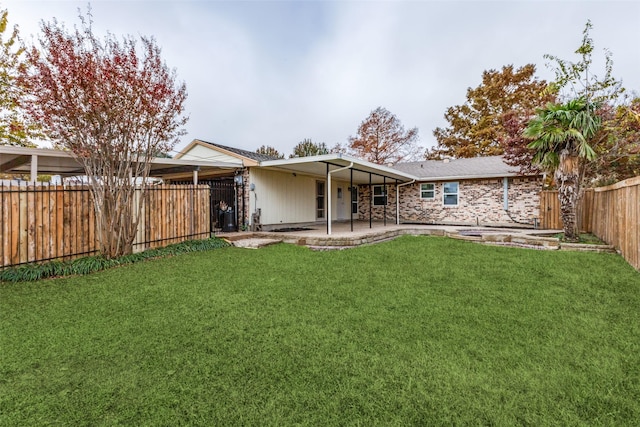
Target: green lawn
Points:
(415, 331)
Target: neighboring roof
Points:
(362, 171)
(57, 162)
(471, 168)
(235, 152)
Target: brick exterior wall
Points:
(480, 202)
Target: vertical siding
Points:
(199, 152)
(282, 197)
(288, 199)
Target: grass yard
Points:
(415, 331)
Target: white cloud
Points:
(277, 72)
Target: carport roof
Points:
(317, 166)
(19, 160)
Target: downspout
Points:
(505, 193)
(505, 204)
(329, 194)
(398, 199)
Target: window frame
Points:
(321, 196)
(445, 194)
(376, 197)
(432, 191)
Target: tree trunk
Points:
(568, 180)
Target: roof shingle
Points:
(244, 153)
(475, 167)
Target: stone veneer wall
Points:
(480, 202)
(247, 199)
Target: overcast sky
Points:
(276, 72)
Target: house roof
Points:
(252, 155)
(470, 168)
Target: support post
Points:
(329, 193)
(34, 169)
(325, 195)
(384, 198)
(370, 200)
(351, 198)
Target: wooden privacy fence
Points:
(612, 213)
(550, 211)
(616, 218)
(47, 222)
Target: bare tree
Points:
(382, 139)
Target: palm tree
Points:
(561, 134)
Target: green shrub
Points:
(91, 264)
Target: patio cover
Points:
(345, 168)
(317, 166)
(34, 161)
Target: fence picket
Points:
(42, 222)
(612, 213)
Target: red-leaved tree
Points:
(382, 139)
(114, 104)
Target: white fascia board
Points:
(465, 177)
(343, 160)
(27, 151)
(181, 162)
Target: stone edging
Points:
(496, 238)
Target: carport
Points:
(40, 161)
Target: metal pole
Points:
(384, 198)
(370, 200)
(325, 194)
(351, 198)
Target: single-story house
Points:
(275, 193)
(267, 193)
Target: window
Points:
(354, 200)
(450, 193)
(379, 195)
(319, 199)
(427, 191)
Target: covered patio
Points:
(348, 169)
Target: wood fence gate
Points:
(550, 210)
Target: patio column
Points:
(384, 207)
(328, 216)
(34, 169)
(195, 176)
(329, 192)
(351, 198)
(370, 199)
